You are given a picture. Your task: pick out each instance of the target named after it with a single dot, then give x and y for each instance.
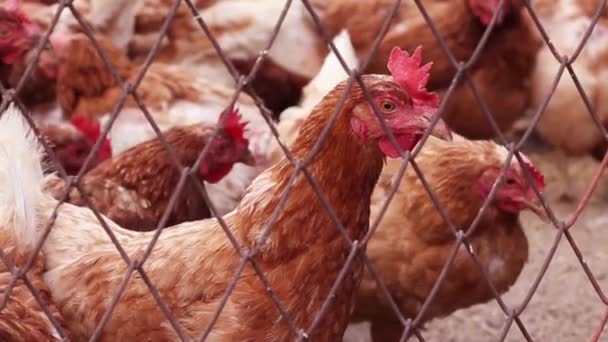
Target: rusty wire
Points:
(461, 235)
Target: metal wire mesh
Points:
(243, 83)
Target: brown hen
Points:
(134, 188)
(413, 241)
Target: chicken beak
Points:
(440, 130)
(537, 208)
(247, 158)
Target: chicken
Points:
(331, 73)
(501, 73)
(413, 241)
(172, 95)
(192, 263)
(134, 188)
(19, 38)
(243, 29)
(72, 143)
(566, 112)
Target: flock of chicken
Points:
(294, 241)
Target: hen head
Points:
(484, 10)
(73, 153)
(17, 33)
(92, 131)
(229, 147)
(516, 193)
(404, 103)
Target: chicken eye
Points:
(388, 106)
(5, 31)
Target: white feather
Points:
(21, 177)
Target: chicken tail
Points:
(21, 177)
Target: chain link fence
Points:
(411, 326)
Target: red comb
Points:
(538, 177)
(233, 125)
(412, 77)
(91, 129)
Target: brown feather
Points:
(502, 78)
(408, 29)
(88, 87)
(22, 319)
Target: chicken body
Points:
(413, 241)
(193, 263)
(22, 319)
(501, 74)
(134, 188)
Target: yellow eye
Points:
(388, 106)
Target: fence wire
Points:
(462, 238)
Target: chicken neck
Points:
(344, 171)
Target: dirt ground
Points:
(565, 307)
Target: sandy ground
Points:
(565, 307)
